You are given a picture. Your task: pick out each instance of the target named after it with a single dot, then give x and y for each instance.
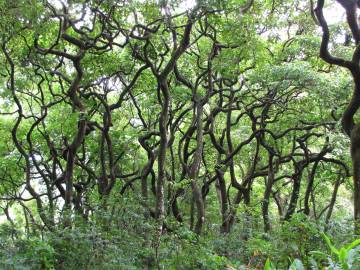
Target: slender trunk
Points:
(295, 193)
(309, 188)
(222, 194)
(162, 151)
(333, 199)
(355, 155)
(194, 170)
(70, 161)
(267, 194)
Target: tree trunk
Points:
(309, 188)
(333, 199)
(267, 194)
(355, 155)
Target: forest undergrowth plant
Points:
(295, 265)
(346, 257)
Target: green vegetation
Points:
(173, 134)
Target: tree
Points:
(348, 122)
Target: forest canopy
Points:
(179, 134)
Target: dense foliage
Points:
(179, 134)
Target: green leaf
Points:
(330, 245)
(268, 265)
(352, 245)
(343, 258)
